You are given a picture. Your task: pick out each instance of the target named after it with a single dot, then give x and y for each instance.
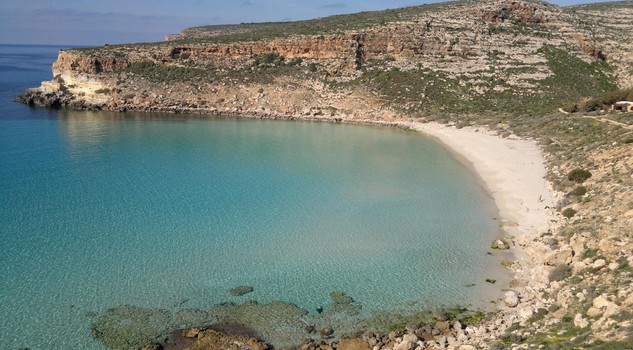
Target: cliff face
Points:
(463, 28)
(495, 50)
(70, 61)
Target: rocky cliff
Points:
(467, 56)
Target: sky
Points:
(93, 23)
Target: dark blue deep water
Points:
(101, 209)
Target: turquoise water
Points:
(103, 209)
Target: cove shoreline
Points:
(510, 169)
(480, 151)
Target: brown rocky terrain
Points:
(466, 56)
(503, 65)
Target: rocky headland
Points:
(492, 75)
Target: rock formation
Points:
(495, 50)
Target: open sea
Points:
(101, 209)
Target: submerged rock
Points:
(276, 322)
(353, 344)
(339, 297)
(212, 339)
(327, 331)
(241, 290)
(191, 317)
(131, 327)
(152, 347)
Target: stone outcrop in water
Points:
(240, 290)
(131, 327)
(210, 339)
(339, 297)
(277, 322)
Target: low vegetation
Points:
(601, 102)
(169, 73)
(569, 213)
(325, 25)
(424, 92)
(579, 175)
(579, 191)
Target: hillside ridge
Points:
(484, 56)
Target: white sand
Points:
(513, 171)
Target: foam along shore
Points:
(512, 169)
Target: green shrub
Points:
(102, 91)
(614, 96)
(295, 61)
(279, 61)
(493, 29)
(569, 213)
(589, 253)
(579, 191)
(512, 338)
(141, 65)
(538, 316)
(167, 73)
(312, 67)
(473, 318)
(608, 98)
(269, 57)
(608, 345)
(591, 105)
(571, 108)
(579, 175)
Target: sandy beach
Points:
(512, 169)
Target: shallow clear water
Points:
(103, 209)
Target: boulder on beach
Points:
(511, 298)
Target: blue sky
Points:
(89, 22)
